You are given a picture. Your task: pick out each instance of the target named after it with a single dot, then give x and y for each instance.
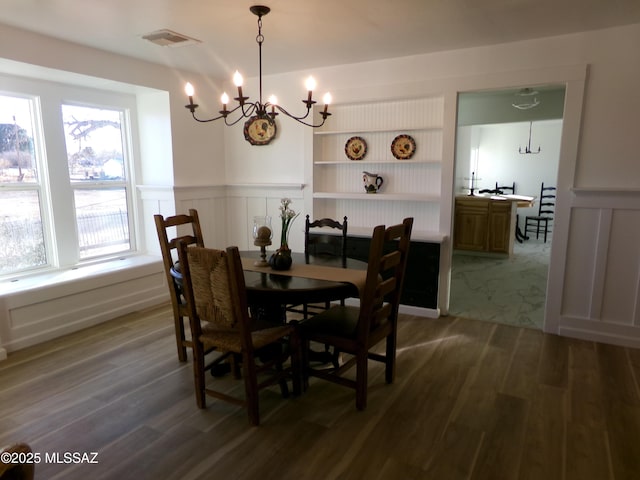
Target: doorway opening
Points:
(500, 144)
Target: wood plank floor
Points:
(472, 400)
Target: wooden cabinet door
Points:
(499, 227)
(470, 225)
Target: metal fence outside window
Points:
(100, 230)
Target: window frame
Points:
(54, 186)
(127, 184)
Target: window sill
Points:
(92, 276)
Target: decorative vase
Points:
(281, 259)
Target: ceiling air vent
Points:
(168, 38)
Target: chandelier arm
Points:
(206, 120)
(302, 117)
(248, 109)
(245, 113)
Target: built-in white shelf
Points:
(379, 197)
(416, 235)
(367, 232)
(411, 187)
(377, 162)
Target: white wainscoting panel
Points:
(601, 296)
(249, 200)
(48, 306)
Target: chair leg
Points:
(180, 338)
(390, 359)
(361, 380)
(251, 389)
(546, 229)
(305, 345)
(198, 375)
(296, 362)
(284, 388)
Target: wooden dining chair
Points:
(506, 189)
(216, 298)
(319, 243)
(190, 233)
(356, 330)
(540, 223)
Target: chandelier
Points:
(526, 99)
(527, 149)
(260, 128)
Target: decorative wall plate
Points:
(355, 148)
(259, 130)
(403, 147)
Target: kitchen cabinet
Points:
(484, 224)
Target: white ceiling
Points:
(302, 34)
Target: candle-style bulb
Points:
(327, 101)
(224, 98)
(310, 83)
(237, 79)
(273, 100)
(189, 90)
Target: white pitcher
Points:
(372, 182)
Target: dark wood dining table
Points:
(271, 287)
(269, 291)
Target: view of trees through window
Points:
(94, 140)
(96, 159)
(21, 231)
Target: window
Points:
(96, 159)
(22, 240)
(65, 184)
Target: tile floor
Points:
(502, 290)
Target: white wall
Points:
(498, 158)
(597, 153)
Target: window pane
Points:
(103, 222)
(17, 157)
(95, 155)
(94, 143)
(21, 231)
(21, 234)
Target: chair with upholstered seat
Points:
(193, 236)
(356, 330)
(540, 223)
(216, 298)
